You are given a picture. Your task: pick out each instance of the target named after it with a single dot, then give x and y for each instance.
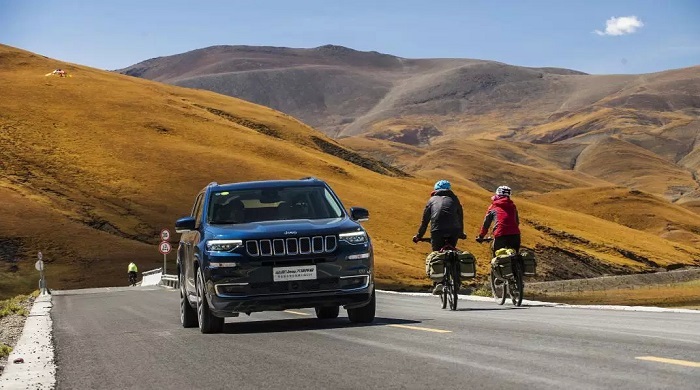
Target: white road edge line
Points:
(36, 348)
(526, 302)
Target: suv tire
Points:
(188, 316)
(327, 312)
(364, 314)
(208, 323)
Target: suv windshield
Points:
(272, 204)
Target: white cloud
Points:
(621, 26)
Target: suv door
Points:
(190, 239)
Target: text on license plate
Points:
(298, 272)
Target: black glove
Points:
(462, 236)
(416, 239)
(479, 239)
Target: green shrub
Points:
(5, 350)
(13, 306)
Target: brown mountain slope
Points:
(634, 209)
(623, 163)
(344, 91)
(93, 166)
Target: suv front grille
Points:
(291, 246)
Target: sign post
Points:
(164, 246)
(39, 265)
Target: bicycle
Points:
(511, 281)
(451, 281)
(132, 279)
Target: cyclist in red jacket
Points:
(506, 233)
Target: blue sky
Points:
(111, 35)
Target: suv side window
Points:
(197, 210)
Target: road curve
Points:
(131, 338)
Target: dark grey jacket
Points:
(444, 212)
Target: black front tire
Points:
(188, 315)
(208, 323)
(327, 313)
(364, 314)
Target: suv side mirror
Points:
(185, 224)
(359, 214)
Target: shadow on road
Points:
(305, 324)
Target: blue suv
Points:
(273, 245)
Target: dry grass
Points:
(685, 294)
(95, 165)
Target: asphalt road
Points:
(132, 339)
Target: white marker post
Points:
(164, 246)
(39, 265)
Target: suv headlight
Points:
(223, 245)
(353, 237)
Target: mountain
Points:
(639, 131)
(93, 166)
(342, 91)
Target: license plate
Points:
(298, 272)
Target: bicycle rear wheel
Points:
(516, 289)
(498, 290)
(455, 284)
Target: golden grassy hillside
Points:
(634, 209)
(93, 166)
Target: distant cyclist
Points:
(506, 230)
(133, 270)
(444, 213)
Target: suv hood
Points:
(282, 229)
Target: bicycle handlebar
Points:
(485, 239)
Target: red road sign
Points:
(164, 247)
(165, 235)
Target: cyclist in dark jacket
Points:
(444, 213)
(506, 230)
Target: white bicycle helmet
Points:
(503, 191)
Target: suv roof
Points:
(246, 185)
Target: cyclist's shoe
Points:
(438, 289)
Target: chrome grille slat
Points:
(265, 248)
(292, 246)
(304, 245)
(279, 247)
(317, 244)
(331, 243)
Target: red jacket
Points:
(505, 214)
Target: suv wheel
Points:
(208, 323)
(188, 317)
(328, 312)
(364, 314)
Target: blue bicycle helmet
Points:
(442, 185)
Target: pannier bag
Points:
(502, 266)
(467, 265)
(529, 262)
(435, 265)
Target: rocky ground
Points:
(11, 327)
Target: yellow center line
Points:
(297, 313)
(420, 328)
(669, 361)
